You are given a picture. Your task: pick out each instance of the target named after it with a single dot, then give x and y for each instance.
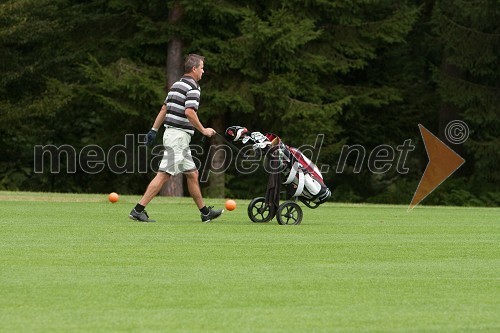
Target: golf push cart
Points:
(303, 180)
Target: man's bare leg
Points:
(207, 213)
(194, 188)
(154, 187)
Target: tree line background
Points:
(360, 72)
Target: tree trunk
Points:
(175, 69)
(218, 159)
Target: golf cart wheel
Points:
(289, 213)
(259, 211)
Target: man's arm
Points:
(192, 116)
(160, 118)
(151, 136)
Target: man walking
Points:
(179, 115)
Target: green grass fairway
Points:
(76, 263)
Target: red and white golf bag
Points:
(302, 177)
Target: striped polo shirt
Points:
(184, 93)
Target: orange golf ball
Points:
(113, 197)
(230, 205)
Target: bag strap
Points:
(291, 176)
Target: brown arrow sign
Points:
(443, 162)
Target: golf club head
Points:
(236, 133)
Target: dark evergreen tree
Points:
(358, 72)
(467, 37)
(300, 69)
(68, 73)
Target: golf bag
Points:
(302, 178)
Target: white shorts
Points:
(177, 155)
